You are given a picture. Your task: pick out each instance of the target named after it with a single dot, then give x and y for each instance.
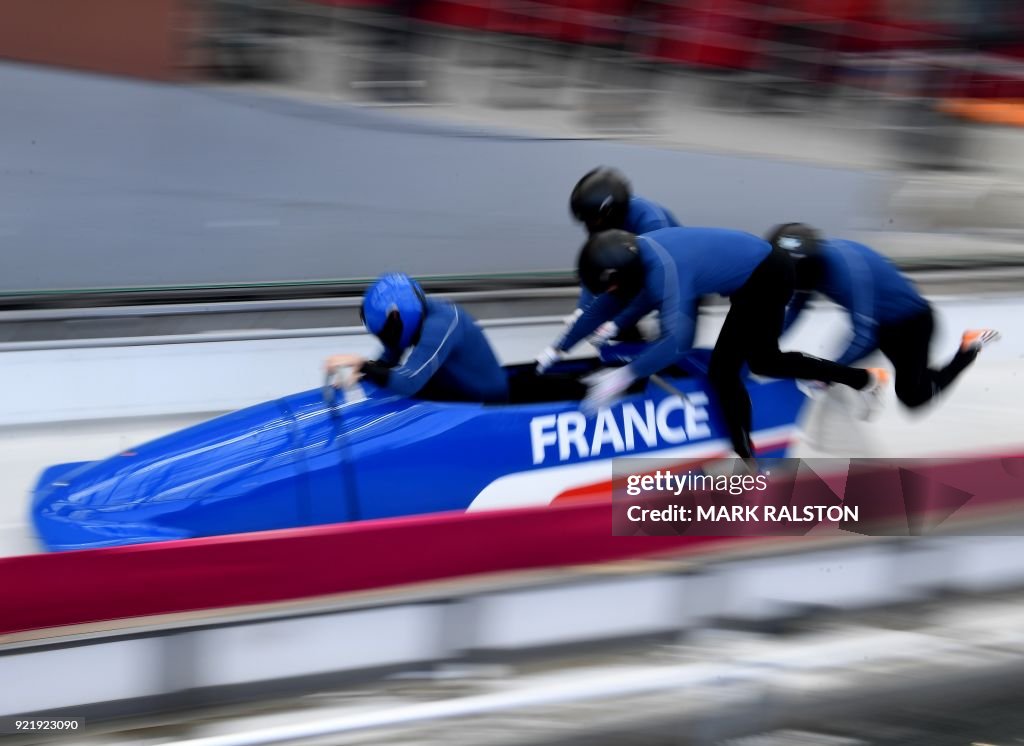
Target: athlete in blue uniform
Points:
(886, 310)
(448, 359)
(668, 271)
(603, 199)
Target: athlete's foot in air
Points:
(974, 339)
(871, 395)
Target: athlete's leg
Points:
(751, 335)
(725, 377)
(766, 294)
(965, 355)
(906, 344)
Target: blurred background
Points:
(194, 193)
(448, 134)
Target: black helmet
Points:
(600, 200)
(610, 262)
(803, 244)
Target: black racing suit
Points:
(751, 334)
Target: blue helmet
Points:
(393, 309)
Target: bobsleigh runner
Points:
(305, 460)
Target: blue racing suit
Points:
(644, 216)
(869, 287)
(451, 361)
(887, 314)
(683, 264)
(680, 266)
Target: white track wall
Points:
(576, 608)
(39, 386)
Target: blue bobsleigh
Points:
(303, 460)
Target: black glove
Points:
(375, 372)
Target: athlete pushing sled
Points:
(886, 310)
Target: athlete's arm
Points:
(603, 308)
(440, 334)
(637, 308)
(586, 298)
(389, 357)
(678, 319)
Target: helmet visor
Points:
(390, 334)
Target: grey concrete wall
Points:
(113, 183)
